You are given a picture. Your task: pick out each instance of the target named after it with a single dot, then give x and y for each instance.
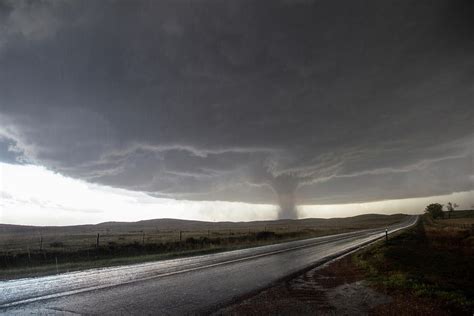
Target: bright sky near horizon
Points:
(34, 195)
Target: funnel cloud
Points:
(285, 187)
(276, 102)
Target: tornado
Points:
(285, 188)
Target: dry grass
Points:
(29, 250)
(433, 263)
(456, 221)
(16, 239)
(423, 271)
(455, 234)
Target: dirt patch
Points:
(355, 299)
(336, 288)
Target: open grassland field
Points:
(457, 221)
(33, 250)
(460, 219)
(431, 266)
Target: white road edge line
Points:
(67, 293)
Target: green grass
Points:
(429, 261)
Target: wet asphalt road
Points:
(195, 285)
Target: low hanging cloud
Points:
(284, 102)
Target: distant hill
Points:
(164, 224)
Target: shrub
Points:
(205, 240)
(264, 235)
(192, 241)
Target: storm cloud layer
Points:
(288, 102)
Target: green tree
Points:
(451, 206)
(435, 210)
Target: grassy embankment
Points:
(434, 261)
(34, 251)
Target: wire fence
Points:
(41, 241)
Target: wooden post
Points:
(97, 241)
(386, 234)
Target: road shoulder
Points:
(351, 285)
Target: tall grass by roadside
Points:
(433, 260)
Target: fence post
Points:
(97, 241)
(386, 234)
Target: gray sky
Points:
(274, 102)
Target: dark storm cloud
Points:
(8, 151)
(313, 101)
